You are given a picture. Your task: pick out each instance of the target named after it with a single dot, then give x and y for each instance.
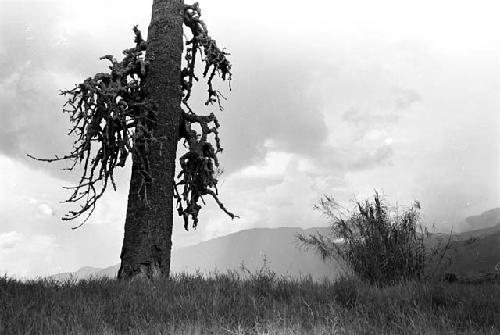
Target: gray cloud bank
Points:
(273, 106)
(34, 60)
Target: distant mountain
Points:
(472, 252)
(84, 272)
(489, 218)
(278, 246)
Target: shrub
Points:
(381, 245)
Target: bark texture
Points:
(147, 240)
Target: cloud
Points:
(30, 206)
(24, 255)
(362, 119)
(371, 159)
(406, 97)
(44, 50)
(381, 115)
(273, 106)
(45, 209)
(289, 116)
(31, 68)
(364, 122)
(271, 110)
(9, 240)
(284, 200)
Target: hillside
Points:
(487, 219)
(470, 253)
(475, 251)
(278, 246)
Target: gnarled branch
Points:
(110, 114)
(200, 166)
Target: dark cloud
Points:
(270, 109)
(268, 104)
(274, 103)
(31, 35)
(275, 109)
(36, 60)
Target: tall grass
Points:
(380, 244)
(258, 303)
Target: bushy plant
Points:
(380, 244)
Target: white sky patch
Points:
(275, 163)
(31, 200)
(376, 135)
(305, 165)
(23, 185)
(9, 240)
(96, 16)
(8, 86)
(30, 206)
(287, 203)
(24, 255)
(45, 209)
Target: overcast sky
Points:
(328, 97)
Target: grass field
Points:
(258, 303)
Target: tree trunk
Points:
(148, 227)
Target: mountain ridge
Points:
(276, 247)
(473, 251)
(487, 219)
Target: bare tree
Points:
(140, 109)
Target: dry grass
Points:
(259, 303)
